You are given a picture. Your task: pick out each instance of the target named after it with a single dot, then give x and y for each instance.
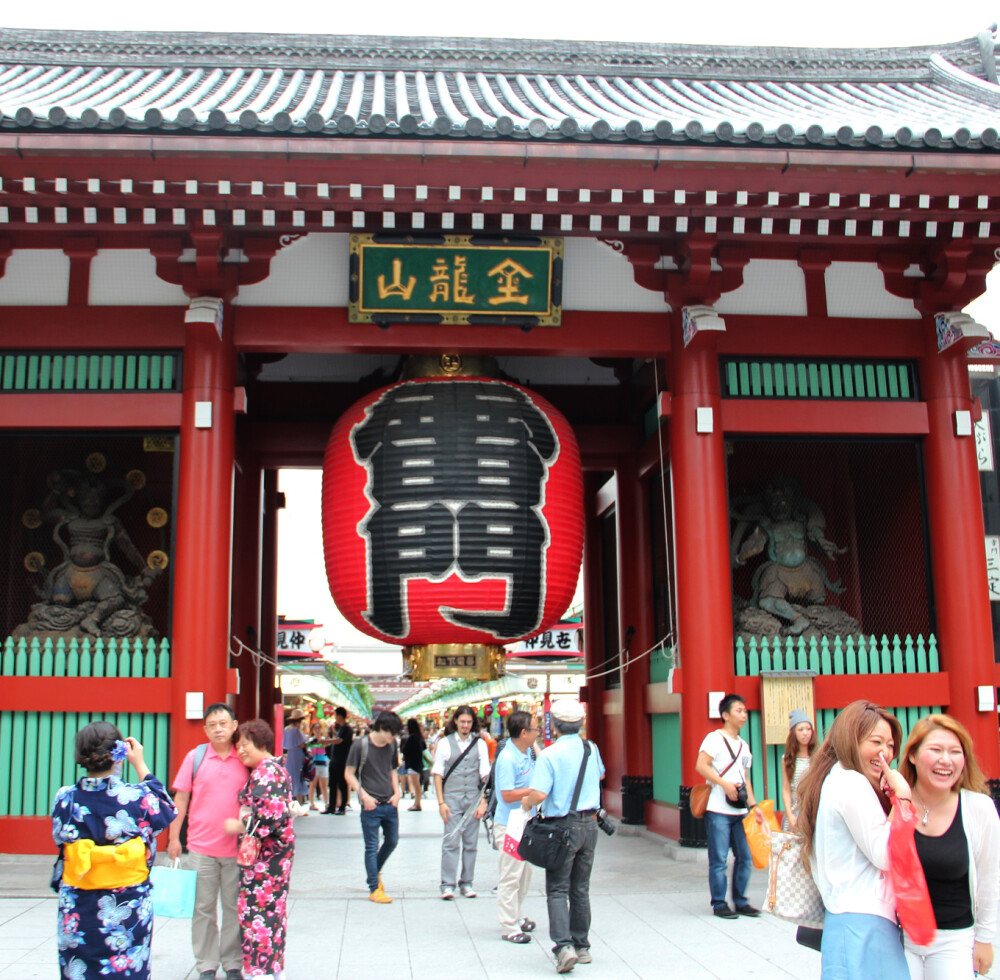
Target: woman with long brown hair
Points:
(844, 822)
(800, 746)
(958, 843)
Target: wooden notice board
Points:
(782, 691)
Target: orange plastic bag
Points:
(906, 874)
(758, 832)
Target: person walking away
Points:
(371, 773)
(265, 815)
(515, 761)
(207, 788)
(724, 760)
(106, 832)
(413, 760)
(343, 736)
(461, 767)
(844, 824)
(293, 743)
(553, 782)
(958, 843)
(800, 747)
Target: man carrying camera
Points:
(553, 782)
(724, 760)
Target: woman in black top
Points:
(413, 759)
(958, 843)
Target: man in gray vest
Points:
(461, 767)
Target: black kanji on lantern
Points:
(456, 476)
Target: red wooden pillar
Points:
(701, 538)
(635, 604)
(594, 654)
(246, 580)
(273, 502)
(200, 628)
(958, 557)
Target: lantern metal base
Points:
(471, 661)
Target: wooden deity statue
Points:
(88, 594)
(790, 588)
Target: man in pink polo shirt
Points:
(208, 784)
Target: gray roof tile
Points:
(934, 96)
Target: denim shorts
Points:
(854, 941)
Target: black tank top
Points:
(946, 867)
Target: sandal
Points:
(527, 925)
(517, 937)
(416, 808)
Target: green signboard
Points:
(458, 280)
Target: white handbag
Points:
(791, 892)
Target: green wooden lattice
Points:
(89, 371)
(854, 380)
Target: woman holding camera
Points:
(844, 822)
(106, 831)
(958, 843)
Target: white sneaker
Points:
(467, 890)
(447, 893)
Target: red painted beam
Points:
(827, 417)
(326, 330)
(99, 694)
(27, 835)
(101, 327)
(805, 336)
(90, 410)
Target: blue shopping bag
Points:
(173, 890)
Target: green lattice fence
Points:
(85, 658)
(89, 371)
(861, 655)
(36, 753)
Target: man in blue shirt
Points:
(511, 776)
(567, 888)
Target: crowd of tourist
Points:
(237, 796)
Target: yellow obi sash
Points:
(89, 865)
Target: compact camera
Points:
(606, 823)
(741, 797)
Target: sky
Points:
(302, 589)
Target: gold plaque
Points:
(157, 444)
(136, 479)
(96, 462)
(472, 661)
(34, 561)
(32, 518)
(157, 559)
(156, 517)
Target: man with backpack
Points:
(372, 773)
(207, 786)
(461, 768)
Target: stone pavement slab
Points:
(651, 917)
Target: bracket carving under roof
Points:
(696, 273)
(954, 275)
(5, 249)
(210, 274)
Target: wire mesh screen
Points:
(828, 538)
(88, 536)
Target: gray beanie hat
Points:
(796, 717)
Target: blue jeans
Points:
(854, 942)
(385, 816)
(725, 832)
(567, 888)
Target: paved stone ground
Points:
(651, 917)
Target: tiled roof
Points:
(941, 97)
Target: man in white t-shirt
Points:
(724, 761)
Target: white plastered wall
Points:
(775, 287)
(857, 289)
(127, 277)
(35, 277)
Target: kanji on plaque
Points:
(457, 280)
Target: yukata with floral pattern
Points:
(263, 901)
(106, 932)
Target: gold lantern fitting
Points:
(470, 661)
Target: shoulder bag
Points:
(545, 841)
(701, 793)
(791, 892)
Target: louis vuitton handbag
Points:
(791, 892)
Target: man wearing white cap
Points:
(553, 784)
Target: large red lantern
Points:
(452, 512)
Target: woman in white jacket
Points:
(844, 822)
(958, 842)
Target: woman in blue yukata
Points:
(106, 833)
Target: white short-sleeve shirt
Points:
(715, 744)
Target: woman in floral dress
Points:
(106, 833)
(264, 813)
